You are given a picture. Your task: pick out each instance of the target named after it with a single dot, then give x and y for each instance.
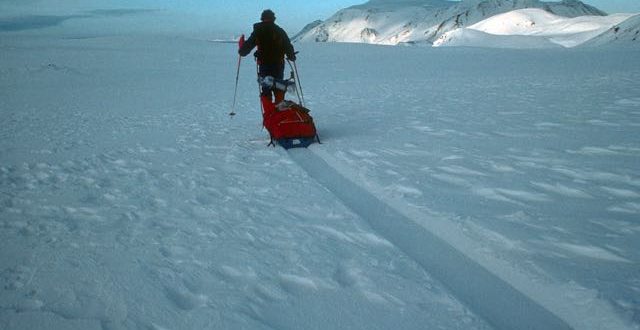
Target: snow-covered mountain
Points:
(627, 31)
(532, 28)
(422, 21)
(307, 28)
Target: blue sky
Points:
(228, 15)
(616, 6)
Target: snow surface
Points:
(531, 28)
(456, 188)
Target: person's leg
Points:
(264, 71)
(279, 74)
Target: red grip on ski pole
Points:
(241, 41)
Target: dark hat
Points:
(268, 15)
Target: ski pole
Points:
(259, 87)
(297, 77)
(235, 92)
(295, 85)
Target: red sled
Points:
(289, 124)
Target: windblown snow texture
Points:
(450, 182)
(507, 308)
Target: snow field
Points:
(468, 280)
(130, 199)
(516, 149)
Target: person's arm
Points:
(248, 45)
(288, 47)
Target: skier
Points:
(273, 44)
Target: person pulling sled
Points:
(289, 124)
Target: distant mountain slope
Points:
(422, 21)
(627, 31)
(307, 28)
(526, 28)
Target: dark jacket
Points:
(273, 44)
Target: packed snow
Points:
(455, 188)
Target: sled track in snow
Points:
(487, 294)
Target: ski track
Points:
(471, 278)
(508, 308)
(544, 169)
